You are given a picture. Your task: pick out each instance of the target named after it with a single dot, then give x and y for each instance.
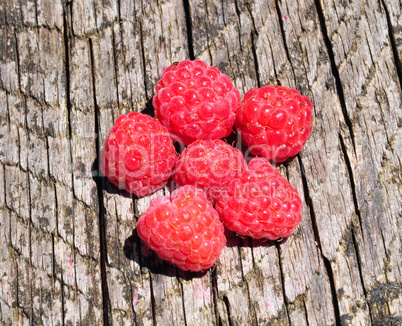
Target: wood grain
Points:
(69, 252)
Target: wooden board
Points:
(69, 253)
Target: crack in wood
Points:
(30, 243)
(256, 64)
(283, 35)
(359, 268)
(187, 13)
(17, 55)
(144, 68)
(227, 306)
(153, 305)
(36, 13)
(334, 295)
(352, 181)
(115, 78)
(63, 307)
(17, 299)
(306, 312)
(393, 41)
(119, 11)
(254, 35)
(282, 276)
(214, 290)
(99, 185)
(66, 44)
(244, 279)
(238, 25)
(309, 203)
(327, 263)
(335, 71)
(182, 300)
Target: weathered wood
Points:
(373, 105)
(69, 253)
(327, 189)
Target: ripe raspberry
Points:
(209, 165)
(196, 101)
(183, 229)
(260, 203)
(274, 122)
(138, 154)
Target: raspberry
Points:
(183, 229)
(138, 154)
(274, 122)
(196, 101)
(209, 165)
(260, 203)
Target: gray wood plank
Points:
(373, 105)
(69, 253)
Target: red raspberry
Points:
(183, 229)
(274, 122)
(138, 154)
(196, 101)
(260, 203)
(209, 165)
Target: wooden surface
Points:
(68, 253)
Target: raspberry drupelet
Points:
(184, 229)
(196, 101)
(209, 165)
(138, 154)
(260, 203)
(274, 122)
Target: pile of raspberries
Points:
(196, 105)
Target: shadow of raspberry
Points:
(234, 139)
(149, 108)
(137, 251)
(109, 187)
(235, 240)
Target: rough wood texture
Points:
(69, 253)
